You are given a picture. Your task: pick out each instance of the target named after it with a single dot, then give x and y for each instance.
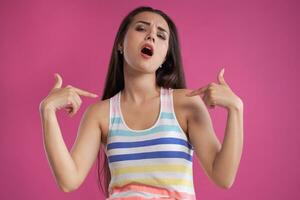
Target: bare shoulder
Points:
(100, 112)
(189, 105)
(186, 101)
(98, 108)
(183, 106)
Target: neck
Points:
(139, 87)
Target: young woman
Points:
(147, 121)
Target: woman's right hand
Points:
(67, 97)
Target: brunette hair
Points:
(169, 75)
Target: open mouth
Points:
(147, 50)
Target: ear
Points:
(119, 47)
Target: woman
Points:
(147, 122)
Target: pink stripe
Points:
(141, 198)
(153, 190)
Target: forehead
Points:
(152, 18)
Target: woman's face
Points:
(147, 28)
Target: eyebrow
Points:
(147, 23)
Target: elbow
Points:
(224, 182)
(68, 187)
(64, 189)
(225, 185)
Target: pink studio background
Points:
(256, 42)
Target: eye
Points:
(139, 28)
(162, 36)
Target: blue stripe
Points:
(149, 155)
(116, 120)
(158, 141)
(119, 132)
(167, 115)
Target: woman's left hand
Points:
(218, 94)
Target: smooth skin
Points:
(69, 169)
(220, 162)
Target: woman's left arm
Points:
(227, 160)
(224, 160)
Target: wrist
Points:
(46, 107)
(236, 106)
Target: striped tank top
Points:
(154, 163)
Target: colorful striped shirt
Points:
(154, 163)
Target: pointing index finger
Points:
(197, 91)
(85, 93)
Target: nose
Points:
(150, 36)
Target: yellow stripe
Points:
(155, 182)
(161, 168)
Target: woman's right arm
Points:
(69, 169)
(62, 165)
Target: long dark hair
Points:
(170, 75)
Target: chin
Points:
(146, 68)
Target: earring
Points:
(162, 63)
(120, 49)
